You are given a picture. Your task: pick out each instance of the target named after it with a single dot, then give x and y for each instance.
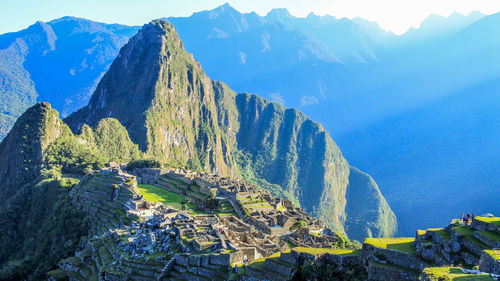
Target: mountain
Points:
(436, 27)
(440, 157)
(41, 161)
(60, 61)
(439, 131)
(352, 41)
(177, 115)
(39, 226)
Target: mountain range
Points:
(156, 102)
(405, 109)
(60, 61)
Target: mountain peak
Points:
(279, 14)
(151, 68)
(22, 149)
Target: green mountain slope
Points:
(60, 61)
(41, 160)
(177, 115)
(39, 224)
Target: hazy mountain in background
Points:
(361, 103)
(60, 61)
(436, 27)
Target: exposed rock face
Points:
(176, 114)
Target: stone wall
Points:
(489, 264)
(371, 253)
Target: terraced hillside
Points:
(427, 255)
(184, 225)
(104, 197)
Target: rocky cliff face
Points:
(176, 114)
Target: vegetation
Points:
(441, 232)
(111, 139)
(143, 163)
(67, 155)
(298, 225)
(469, 235)
(453, 273)
(493, 220)
(43, 228)
(319, 251)
(155, 194)
(398, 244)
(323, 271)
(494, 253)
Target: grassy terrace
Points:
(494, 253)
(492, 235)
(259, 263)
(493, 220)
(453, 273)
(157, 194)
(398, 244)
(468, 233)
(319, 251)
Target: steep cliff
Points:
(177, 115)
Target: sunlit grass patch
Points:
(403, 244)
(452, 273)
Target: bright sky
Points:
(394, 15)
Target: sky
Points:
(394, 15)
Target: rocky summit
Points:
(178, 116)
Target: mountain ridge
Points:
(208, 126)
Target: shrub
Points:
(143, 163)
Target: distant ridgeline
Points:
(156, 106)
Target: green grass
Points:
(155, 194)
(399, 244)
(421, 232)
(493, 220)
(319, 251)
(468, 233)
(260, 206)
(492, 235)
(494, 253)
(452, 273)
(227, 214)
